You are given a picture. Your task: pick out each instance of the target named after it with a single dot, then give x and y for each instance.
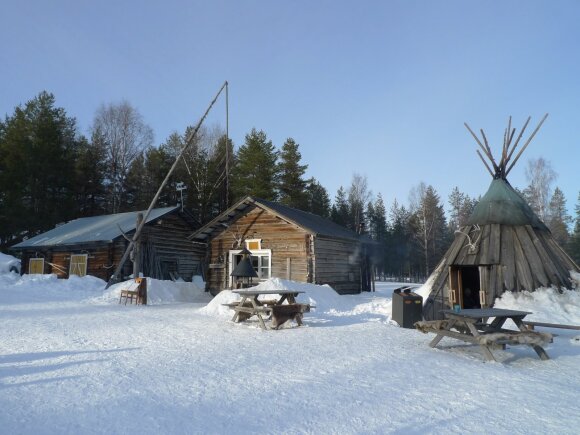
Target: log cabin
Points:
(284, 243)
(94, 246)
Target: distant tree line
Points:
(49, 173)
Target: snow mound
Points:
(323, 297)
(161, 292)
(547, 305)
(8, 263)
(575, 278)
(50, 287)
(215, 308)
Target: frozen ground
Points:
(73, 361)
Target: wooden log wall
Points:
(288, 244)
(168, 237)
(57, 259)
(338, 263)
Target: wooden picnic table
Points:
(471, 326)
(250, 305)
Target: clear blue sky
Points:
(379, 88)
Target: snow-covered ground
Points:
(73, 361)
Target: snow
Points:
(74, 361)
(162, 292)
(8, 262)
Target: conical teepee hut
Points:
(504, 246)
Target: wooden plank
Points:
(548, 262)
(508, 259)
(523, 272)
(482, 252)
(494, 253)
(534, 260)
(551, 325)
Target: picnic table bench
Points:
(471, 326)
(280, 312)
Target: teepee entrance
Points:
(464, 286)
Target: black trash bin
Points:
(407, 307)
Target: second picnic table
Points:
(471, 326)
(250, 305)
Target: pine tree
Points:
(255, 172)
(429, 227)
(376, 214)
(292, 186)
(574, 244)
(558, 218)
(37, 178)
(318, 200)
(224, 153)
(378, 230)
(398, 244)
(340, 212)
(90, 174)
(461, 208)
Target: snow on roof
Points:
(91, 229)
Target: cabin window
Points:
(36, 266)
(78, 264)
(254, 244)
(261, 262)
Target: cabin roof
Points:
(310, 222)
(503, 205)
(92, 229)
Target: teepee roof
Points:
(503, 205)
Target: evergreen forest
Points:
(50, 174)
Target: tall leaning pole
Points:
(189, 141)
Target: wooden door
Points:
(36, 266)
(454, 286)
(78, 264)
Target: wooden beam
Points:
(478, 142)
(518, 140)
(526, 144)
(490, 155)
(485, 163)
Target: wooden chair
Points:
(134, 291)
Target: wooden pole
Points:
(137, 250)
(526, 144)
(188, 143)
(485, 163)
(517, 140)
(227, 147)
(479, 143)
(489, 152)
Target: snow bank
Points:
(8, 262)
(323, 297)
(161, 292)
(546, 304)
(215, 307)
(49, 287)
(576, 279)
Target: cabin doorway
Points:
(464, 286)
